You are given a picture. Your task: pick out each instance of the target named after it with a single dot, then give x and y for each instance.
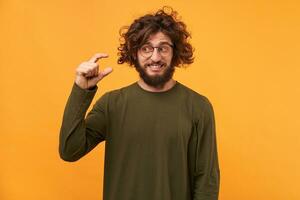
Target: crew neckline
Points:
(162, 92)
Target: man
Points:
(160, 141)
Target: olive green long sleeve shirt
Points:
(158, 145)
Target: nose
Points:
(155, 57)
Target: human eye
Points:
(147, 48)
(165, 48)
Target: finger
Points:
(87, 71)
(91, 67)
(98, 56)
(97, 71)
(107, 71)
(88, 65)
(81, 71)
(104, 72)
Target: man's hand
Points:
(88, 73)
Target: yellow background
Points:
(247, 64)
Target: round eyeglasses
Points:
(164, 50)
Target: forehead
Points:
(159, 38)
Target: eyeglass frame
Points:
(157, 47)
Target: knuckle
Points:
(82, 65)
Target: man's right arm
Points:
(79, 135)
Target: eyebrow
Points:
(160, 43)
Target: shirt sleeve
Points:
(206, 173)
(79, 135)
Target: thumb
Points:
(104, 72)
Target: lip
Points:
(156, 69)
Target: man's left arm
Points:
(206, 174)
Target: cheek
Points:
(171, 59)
(140, 60)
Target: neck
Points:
(168, 85)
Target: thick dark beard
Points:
(157, 81)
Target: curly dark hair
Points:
(164, 20)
